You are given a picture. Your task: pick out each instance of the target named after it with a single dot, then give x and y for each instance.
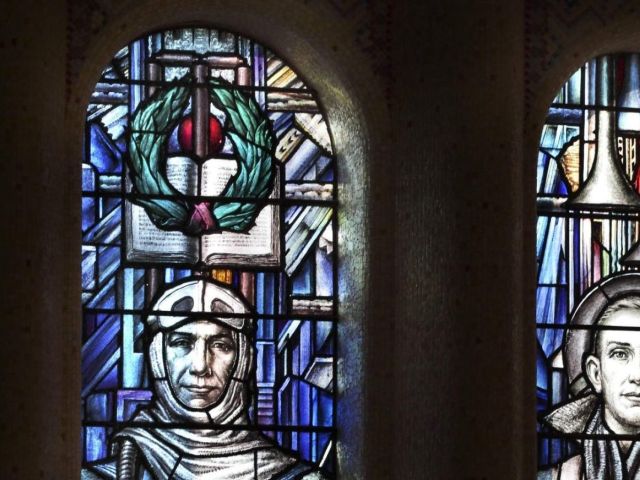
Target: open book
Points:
(260, 246)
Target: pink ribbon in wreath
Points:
(201, 220)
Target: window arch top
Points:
(209, 280)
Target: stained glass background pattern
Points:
(294, 398)
(579, 246)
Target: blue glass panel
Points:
(549, 270)
(111, 380)
(108, 263)
(325, 409)
(89, 271)
(554, 182)
(541, 229)
(304, 445)
(565, 116)
(88, 204)
(543, 452)
(107, 229)
(301, 281)
(265, 363)
(88, 212)
(105, 297)
(181, 273)
(100, 352)
(259, 292)
(281, 122)
(317, 170)
(541, 368)
(324, 451)
(134, 289)
(95, 443)
(265, 292)
(555, 138)
(543, 159)
(323, 343)
(551, 307)
(303, 226)
(305, 403)
(326, 175)
(174, 147)
(572, 88)
(132, 359)
(137, 57)
(324, 272)
(265, 329)
(89, 325)
(99, 407)
(306, 345)
(131, 400)
(561, 188)
(295, 359)
(105, 156)
(302, 160)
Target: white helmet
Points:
(182, 301)
(180, 304)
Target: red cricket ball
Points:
(185, 135)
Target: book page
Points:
(145, 241)
(260, 241)
(256, 241)
(216, 173)
(182, 173)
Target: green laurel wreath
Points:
(249, 131)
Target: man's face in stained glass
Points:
(200, 357)
(614, 371)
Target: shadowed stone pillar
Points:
(460, 378)
(40, 220)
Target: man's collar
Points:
(572, 418)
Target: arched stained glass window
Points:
(588, 284)
(209, 276)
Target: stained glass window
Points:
(588, 284)
(209, 278)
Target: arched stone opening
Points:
(609, 31)
(344, 96)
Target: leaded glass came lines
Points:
(281, 266)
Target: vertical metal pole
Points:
(200, 117)
(152, 276)
(247, 279)
(247, 287)
(153, 74)
(200, 112)
(243, 76)
(152, 283)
